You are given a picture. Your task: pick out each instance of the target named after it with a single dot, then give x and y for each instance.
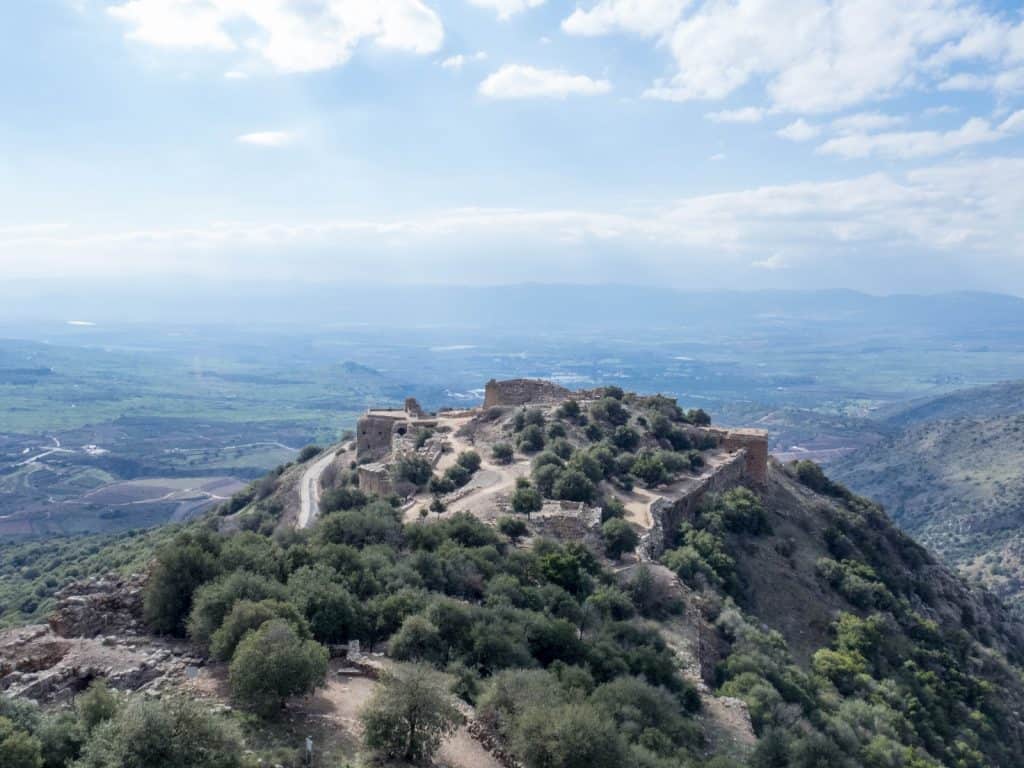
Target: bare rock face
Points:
(109, 605)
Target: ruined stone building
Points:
(522, 392)
(378, 428)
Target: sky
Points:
(701, 144)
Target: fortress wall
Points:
(373, 435)
(375, 478)
(753, 441)
(522, 391)
(668, 514)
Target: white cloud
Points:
(644, 17)
(911, 144)
(772, 263)
(1014, 123)
(459, 60)
(866, 121)
(234, 74)
(799, 130)
(742, 115)
(506, 9)
(819, 56)
(717, 156)
(517, 81)
(969, 214)
(291, 36)
(267, 138)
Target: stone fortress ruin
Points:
(734, 457)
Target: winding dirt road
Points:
(309, 488)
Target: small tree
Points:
(410, 714)
(308, 453)
(247, 616)
(526, 500)
(437, 506)
(412, 469)
(619, 537)
(273, 663)
(573, 485)
(513, 527)
(502, 453)
(470, 460)
(570, 409)
(531, 439)
(97, 705)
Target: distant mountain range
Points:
(552, 307)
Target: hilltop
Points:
(602, 576)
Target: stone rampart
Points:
(375, 478)
(668, 513)
(374, 433)
(522, 392)
(753, 441)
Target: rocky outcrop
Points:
(110, 605)
(95, 632)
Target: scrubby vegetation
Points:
(32, 572)
(884, 661)
(108, 730)
(890, 687)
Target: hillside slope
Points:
(785, 596)
(957, 486)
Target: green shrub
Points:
(272, 664)
(570, 409)
(573, 485)
(167, 733)
(215, 600)
(619, 538)
(526, 500)
(307, 453)
(469, 460)
(411, 468)
(513, 527)
(502, 453)
(531, 439)
(246, 616)
(410, 714)
(610, 411)
(181, 567)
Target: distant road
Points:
(309, 488)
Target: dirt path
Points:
(309, 488)
(638, 506)
(488, 483)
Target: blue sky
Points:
(699, 143)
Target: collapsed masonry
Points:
(96, 631)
